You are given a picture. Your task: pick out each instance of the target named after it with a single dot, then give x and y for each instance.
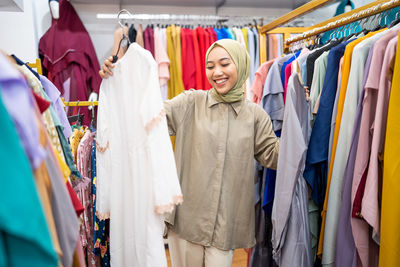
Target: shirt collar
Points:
(237, 106)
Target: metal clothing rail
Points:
(80, 103)
(346, 18)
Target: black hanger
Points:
(21, 63)
(76, 118)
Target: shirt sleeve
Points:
(103, 157)
(166, 188)
(266, 144)
(175, 109)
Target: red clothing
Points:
(212, 35)
(75, 201)
(149, 39)
(288, 72)
(69, 59)
(197, 61)
(188, 64)
(42, 103)
(204, 45)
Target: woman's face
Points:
(221, 71)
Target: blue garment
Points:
(219, 33)
(287, 63)
(231, 34)
(101, 231)
(316, 170)
(224, 34)
(269, 193)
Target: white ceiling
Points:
(288, 4)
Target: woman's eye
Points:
(210, 67)
(225, 65)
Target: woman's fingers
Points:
(105, 71)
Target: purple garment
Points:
(54, 95)
(148, 36)
(18, 100)
(346, 254)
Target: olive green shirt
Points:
(216, 143)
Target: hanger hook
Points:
(122, 11)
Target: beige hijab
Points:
(241, 59)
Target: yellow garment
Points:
(244, 31)
(175, 83)
(390, 216)
(343, 87)
(43, 185)
(75, 139)
(66, 172)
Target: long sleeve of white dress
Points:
(136, 173)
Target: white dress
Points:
(136, 173)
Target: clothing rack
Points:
(80, 103)
(346, 18)
(37, 65)
(298, 12)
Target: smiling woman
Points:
(218, 133)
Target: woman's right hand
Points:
(105, 71)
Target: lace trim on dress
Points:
(103, 216)
(154, 121)
(161, 209)
(102, 149)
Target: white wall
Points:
(21, 31)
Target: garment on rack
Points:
(390, 187)
(359, 49)
(69, 59)
(35, 244)
(161, 57)
(101, 229)
(138, 147)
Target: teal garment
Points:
(24, 237)
(67, 152)
(64, 143)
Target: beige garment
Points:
(186, 254)
(139, 36)
(216, 144)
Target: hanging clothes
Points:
(390, 212)
(140, 149)
(161, 57)
(69, 58)
(291, 238)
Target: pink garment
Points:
(259, 81)
(272, 46)
(288, 72)
(161, 58)
(79, 253)
(84, 192)
(370, 203)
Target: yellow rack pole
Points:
(347, 18)
(80, 103)
(37, 65)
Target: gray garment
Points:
(272, 99)
(216, 144)
(65, 218)
(291, 237)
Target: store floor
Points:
(239, 258)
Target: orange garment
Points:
(343, 88)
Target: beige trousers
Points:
(187, 254)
